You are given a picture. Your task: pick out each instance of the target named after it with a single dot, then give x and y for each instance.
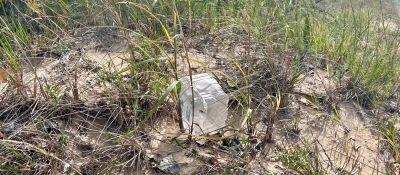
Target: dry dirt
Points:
(346, 144)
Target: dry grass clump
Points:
(40, 138)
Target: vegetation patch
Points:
(91, 87)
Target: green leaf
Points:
(178, 88)
(179, 143)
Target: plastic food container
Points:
(210, 104)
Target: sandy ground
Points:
(346, 143)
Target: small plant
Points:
(292, 130)
(390, 137)
(63, 139)
(303, 160)
(54, 93)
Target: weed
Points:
(303, 160)
(390, 144)
(54, 93)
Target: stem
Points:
(188, 62)
(181, 127)
(248, 19)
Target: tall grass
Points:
(359, 46)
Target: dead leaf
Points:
(4, 73)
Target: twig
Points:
(168, 164)
(321, 10)
(329, 159)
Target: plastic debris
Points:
(169, 165)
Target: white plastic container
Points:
(210, 104)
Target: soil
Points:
(78, 136)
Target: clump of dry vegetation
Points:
(91, 87)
